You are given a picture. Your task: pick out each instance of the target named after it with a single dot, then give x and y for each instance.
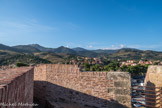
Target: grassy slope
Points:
(136, 55)
(53, 57)
(11, 57)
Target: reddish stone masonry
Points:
(16, 87)
(56, 82)
(58, 85)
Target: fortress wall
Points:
(16, 87)
(153, 82)
(40, 73)
(67, 84)
(121, 88)
(39, 88)
(154, 75)
(69, 76)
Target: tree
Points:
(96, 67)
(135, 70)
(112, 66)
(20, 64)
(124, 68)
(86, 66)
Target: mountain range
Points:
(34, 53)
(32, 48)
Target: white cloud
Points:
(89, 46)
(67, 46)
(122, 46)
(146, 47)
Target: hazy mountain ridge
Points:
(8, 57)
(41, 48)
(79, 49)
(89, 53)
(53, 57)
(40, 54)
(8, 48)
(76, 51)
(135, 54)
(105, 51)
(26, 48)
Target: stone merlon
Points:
(16, 87)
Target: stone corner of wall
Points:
(154, 66)
(118, 75)
(121, 87)
(16, 83)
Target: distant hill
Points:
(8, 48)
(26, 48)
(35, 54)
(41, 48)
(5, 54)
(79, 49)
(88, 53)
(53, 57)
(9, 57)
(65, 50)
(105, 51)
(32, 48)
(135, 54)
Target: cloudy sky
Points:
(92, 24)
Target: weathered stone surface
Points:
(58, 85)
(110, 90)
(118, 76)
(119, 91)
(122, 91)
(154, 76)
(84, 88)
(123, 84)
(122, 99)
(154, 79)
(17, 86)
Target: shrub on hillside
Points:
(20, 64)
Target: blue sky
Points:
(92, 24)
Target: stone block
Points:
(110, 91)
(118, 76)
(122, 84)
(122, 92)
(123, 99)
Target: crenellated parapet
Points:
(16, 88)
(59, 82)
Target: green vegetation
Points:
(19, 64)
(115, 66)
(134, 54)
(86, 66)
(26, 48)
(12, 58)
(109, 60)
(96, 67)
(135, 70)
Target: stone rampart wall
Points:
(16, 87)
(66, 84)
